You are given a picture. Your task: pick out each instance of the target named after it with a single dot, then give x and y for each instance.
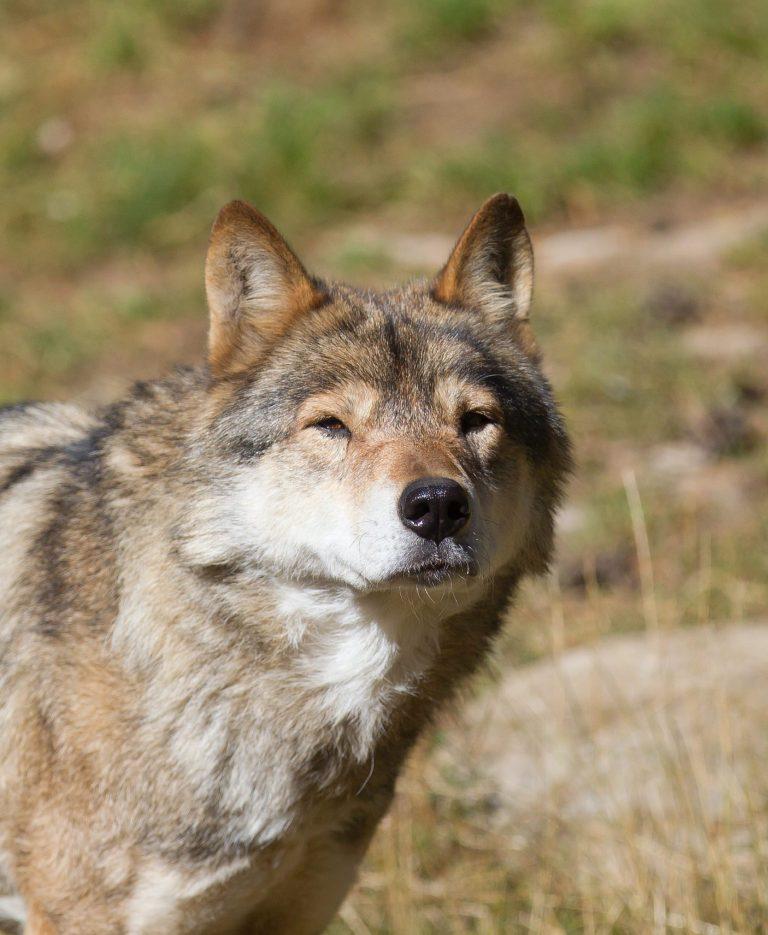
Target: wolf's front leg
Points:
(308, 901)
(38, 923)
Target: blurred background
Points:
(608, 774)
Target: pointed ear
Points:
(491, 267)
(256, 288)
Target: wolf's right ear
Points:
(256, 287)
(491, 266)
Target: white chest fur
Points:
(358, 651)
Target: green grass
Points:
(436, 27)
(635, 147)
(637, 100)
(301, 154)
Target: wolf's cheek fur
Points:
(507, 514)
(310, 524)
(296, 519)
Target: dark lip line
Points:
(416, 571)
(431, 566)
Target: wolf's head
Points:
(380, 439)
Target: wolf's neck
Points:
(340, 636)
(355, 655)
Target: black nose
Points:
(434, 507)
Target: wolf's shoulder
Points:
(42, 425)
(29, 430)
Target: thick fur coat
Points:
(220, 634)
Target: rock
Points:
(633, 766)
(677, 459)
(54, 136)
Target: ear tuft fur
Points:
(256, 287)
(491, 266)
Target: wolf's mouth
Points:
(437, 570)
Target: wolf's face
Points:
(381, 440)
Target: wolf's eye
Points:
(474, 421)
(333, 427)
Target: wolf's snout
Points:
(434, 507)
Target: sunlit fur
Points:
(218, 640)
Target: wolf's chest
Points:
(263, 756)
(354, 660)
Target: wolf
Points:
(231, 601)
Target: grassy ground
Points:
(125, 126)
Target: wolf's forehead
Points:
(400, 335)
(399, 357)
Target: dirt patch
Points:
(573, 251)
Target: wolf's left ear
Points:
(256, 288)
(491, 266)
